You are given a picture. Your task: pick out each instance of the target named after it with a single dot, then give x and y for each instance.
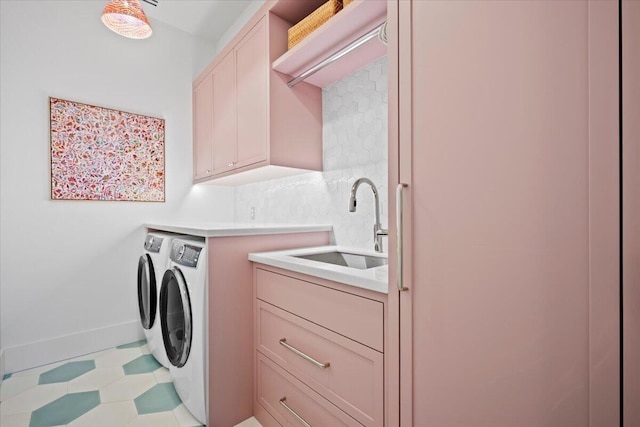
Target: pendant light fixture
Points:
(126, 18)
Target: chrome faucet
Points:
(378, 231)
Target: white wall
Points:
(68, 267)
(354, 137)
(238, 24)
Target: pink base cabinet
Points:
(319, 351)
(231, 305)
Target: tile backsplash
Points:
(354, 145)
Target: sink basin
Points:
(347, 259)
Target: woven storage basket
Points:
(309, 24)
(346, 2)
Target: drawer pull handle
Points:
(283, 342)
(292, 412)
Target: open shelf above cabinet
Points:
(354, 21)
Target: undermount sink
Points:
(347, 259)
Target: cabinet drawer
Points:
(264, 418)
(355, 317)
(353, 381)
(277, 388)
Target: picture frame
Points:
(99, 153)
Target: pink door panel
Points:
(224, 117)
(202, 128)
(252, 71)
(495, 144)
(631, 208)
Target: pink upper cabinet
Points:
(253, 95)
(224, 117)
(507, 135)
(263, 122)
(202, 128)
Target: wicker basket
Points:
(302, 29)
(346, 2)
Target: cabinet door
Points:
(631, 208)
(224, 115)
(508, 144)
(252, 71)
(202, 128)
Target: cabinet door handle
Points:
(294, 413)
(399, 230)
(283, 342)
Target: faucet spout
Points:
(352, 202)
(378, 231)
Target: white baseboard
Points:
(43, 352)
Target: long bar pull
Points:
(339, 54)
(400, 232)
(294, 413)
(283, 342)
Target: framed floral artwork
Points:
(102, 154)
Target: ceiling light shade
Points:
(126, 18)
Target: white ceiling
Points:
(208, 19)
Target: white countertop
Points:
(374, 279)
(221, 229)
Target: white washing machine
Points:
(183, 317)
(151, 266)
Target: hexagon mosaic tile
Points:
(159, 398)
(67, 372)
(64, 409)
(354, 142)
(132, 344)
(142, 365)
(123, 386)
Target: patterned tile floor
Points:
(123, 386)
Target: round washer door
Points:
(175, 317)
(147, 291)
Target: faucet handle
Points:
(378, 232)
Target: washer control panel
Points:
(153, 243)
(185, 254)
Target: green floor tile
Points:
(65, 409)
(159, 398)
(67, 372)
(141, 365)
(133, 344)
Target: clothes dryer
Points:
(183, 318)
